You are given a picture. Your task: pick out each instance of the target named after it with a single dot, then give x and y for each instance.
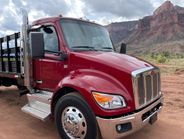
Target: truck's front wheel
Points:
(74, 118)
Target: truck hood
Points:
(117, 61)
(109, 72)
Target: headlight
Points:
(109, 101)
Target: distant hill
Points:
(122, 30)
(162, 31)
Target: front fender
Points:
(87, 80)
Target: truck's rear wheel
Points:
(74, 118)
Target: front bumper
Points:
(108, 127)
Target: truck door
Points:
(49, 70)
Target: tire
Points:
(72, 111)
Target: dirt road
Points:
(14, 124)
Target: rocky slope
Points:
(122, 30)
(162, 31)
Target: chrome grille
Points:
(140, 90)
(146, 86)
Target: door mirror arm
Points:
(63, 56)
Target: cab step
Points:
(38, 105)
(42, 96)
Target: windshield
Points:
(82, 35)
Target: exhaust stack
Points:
(26, 61)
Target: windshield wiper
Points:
(84, 47)
(109, 48)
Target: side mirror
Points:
(36, 45)
(123, 48)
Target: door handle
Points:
(39, 81)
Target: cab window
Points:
(50, 38)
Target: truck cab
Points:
(70, 72)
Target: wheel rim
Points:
(74, 123)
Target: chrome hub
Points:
(74, 123)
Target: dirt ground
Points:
(14, 124)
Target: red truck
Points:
(70, 72)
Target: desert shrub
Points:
(161, 58)
(166, 54)
(182, 56)
(179, 55)
(153, 55)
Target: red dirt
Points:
(15, 124)
(179, 71)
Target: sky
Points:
(100, 11)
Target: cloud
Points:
(9, 20)
(178, 2)
(49, 7)
(45, 7)
(121, 8)
(10, 14)
(76, 8)
(101, 11)
(3, 4)
(157, 3)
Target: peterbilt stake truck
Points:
(70, 72)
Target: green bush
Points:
(166, 54)
(153, 55)
(161, 58)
